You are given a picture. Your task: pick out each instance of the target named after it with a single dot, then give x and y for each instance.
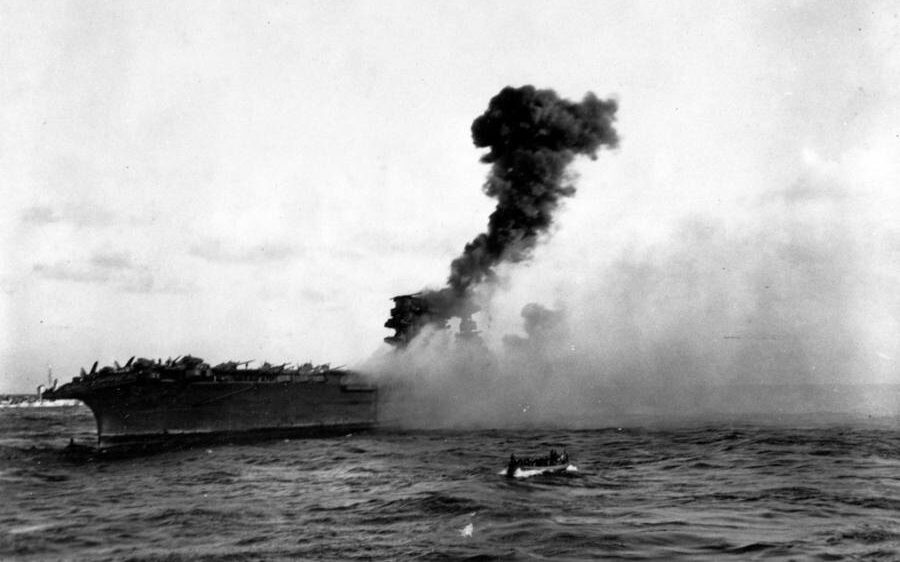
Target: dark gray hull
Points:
(150, 413)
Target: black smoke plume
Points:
(532, 136)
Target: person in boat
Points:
(554, 459)
(512, 466)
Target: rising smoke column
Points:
(532, 136)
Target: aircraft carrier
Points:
(157, 403)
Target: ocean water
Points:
(735, 491)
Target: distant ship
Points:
(147, 402)
(36, 400)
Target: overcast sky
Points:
(241, 180)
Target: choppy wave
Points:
(711, 492)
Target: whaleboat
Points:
(549, 464)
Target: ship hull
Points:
(170, 412)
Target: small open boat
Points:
(554, 462)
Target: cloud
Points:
(40, 214)
(112, 260)
(115, 269)
(68, 271)
(81, 215)
(145, 282)
(314, 295)
(806, 190)
(221, 252)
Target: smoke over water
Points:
(532, 136)
(781, 308)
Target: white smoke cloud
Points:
(785, 307)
